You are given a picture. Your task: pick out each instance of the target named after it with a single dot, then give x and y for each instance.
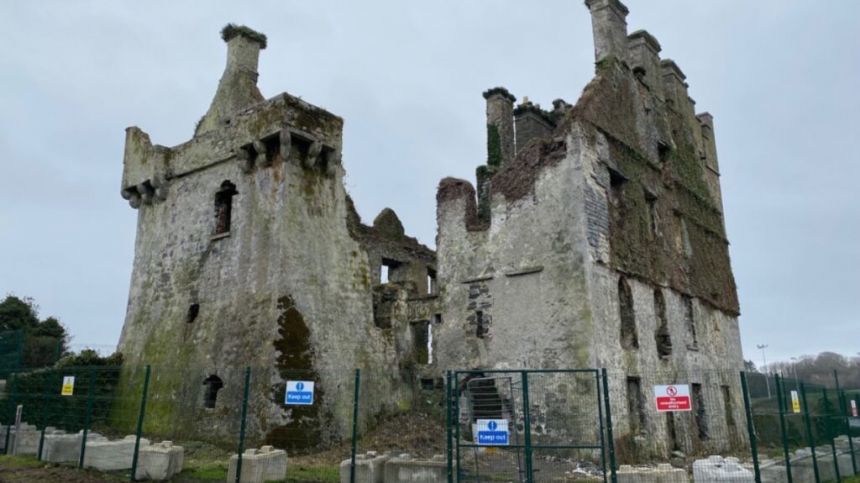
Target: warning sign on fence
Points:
(300, 393)
(492, 432)
(853, 408)
(795, 402)
(673, 397)
(68, 386)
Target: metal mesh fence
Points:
(11, 352)
(528, 425)
(19, 351)
(803, 432)
(680, 426)
(236, 425)
(519, 425)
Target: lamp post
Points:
(762, 347)
(794, 367)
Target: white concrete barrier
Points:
(111, 455)
(160, 461)
(369, 468)
(259, 465)
(405, 469)
(662, 473)
(718, 469)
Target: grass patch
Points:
(9, 461)
(306, 473)
(205, 472)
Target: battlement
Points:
(240, 126)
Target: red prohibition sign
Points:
(671, 391)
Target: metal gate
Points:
(529, 425)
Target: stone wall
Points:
(285, 287)
(621, 190)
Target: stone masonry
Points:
(593, 238)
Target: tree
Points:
(749, 366)
(44, 341)
(18, 314)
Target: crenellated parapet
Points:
(240, 127)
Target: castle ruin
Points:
(594, 237)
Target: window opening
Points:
(213, 384)
(690, 322)
(662, 336)
(729, 409)
(629, 340)
(224, 207)
(481, 329)
(421, 341)
(431, 281)
(651, 204)
(429, 343)
(193, 311)
(670, 430)
(699, 409)
(635, 409)
(387, 271)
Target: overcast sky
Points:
(780, 77)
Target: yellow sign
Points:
(68, 386)
(795, 402)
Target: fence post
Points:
(810, 439)
(843, 406)
(44, 405)
(609, 436)
(780, 398)
(448, 432)
(527, 423)
(751, 426)
(828, 419)
(354, 425)
(455, 415)
(600, 420)
(242, 425)
(89, 413)
(10, 380)
(139, 430)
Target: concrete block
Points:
(25, 443)
(662, 473)
(259, 465)
(369, 468)
(61, 447)
(773, 471)
(159, 461)
(111, 455)
(716, 468)
(405, 469)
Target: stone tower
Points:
(599, 242)
(249, 253)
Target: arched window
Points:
(224, 207)
(629, 340)
(213, 384)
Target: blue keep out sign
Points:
(300, 393)
(492, 432)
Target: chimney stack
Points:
(500, 126)
(238, 86)
(609, 26)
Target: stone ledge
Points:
(525, 271)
